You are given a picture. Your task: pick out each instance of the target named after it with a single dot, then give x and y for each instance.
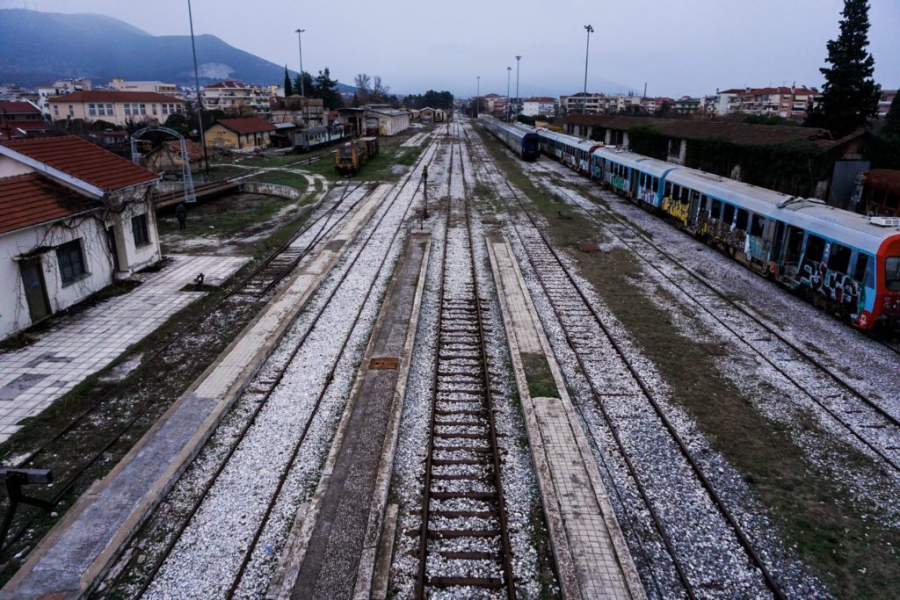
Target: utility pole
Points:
(589, 30)
(478, 96)
(199, 99)
(302, 91)
(508, 107)
(518, 58)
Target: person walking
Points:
(181, 215)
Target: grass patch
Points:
(538, 375)
(853, 556)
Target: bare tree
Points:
(379, 90)
(363, 86)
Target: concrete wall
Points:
(271, 189)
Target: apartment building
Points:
(58, 88)
(582, 103)
(158, 87)
(115, 107)
(235, 97)
(539, 105)
(787, 102)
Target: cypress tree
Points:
(288, 88)
(850, 94)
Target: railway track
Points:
(173, 522)
(636, 420)
(53, 453)
(463, 537)
(863, 418)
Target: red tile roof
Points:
(19, 108)
(248, 125)
(194, 150)
(28, 200)
(83, 160)
(738, 133)
(113, 96)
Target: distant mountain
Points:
(37, 48)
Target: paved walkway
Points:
(92, 533)
(592, 557)
(80, 345)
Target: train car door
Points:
(35, 288)
(793, 250)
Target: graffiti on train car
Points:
(725, 233)
(834, 285)
(617, 182)
(677, 209)
(647, 194)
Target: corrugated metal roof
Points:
(737, 133)
(84, 161)
(248, 125)
(29, 200)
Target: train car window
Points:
(668, 192)
(728, 217)
(794, 245)
(656, 183)
(704, 201)
(839, 258)
(743, 218)
(892, 273)
(716, 212)
(861, 271)
(815, 248)
(757, 226)
(689, 195)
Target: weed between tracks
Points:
(855, 557)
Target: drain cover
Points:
(384, 363)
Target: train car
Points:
(521, 141)
(844, 262)
(317, 137)
(573, 152)
(352, 156)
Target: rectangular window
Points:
(153, 108)
(758, 226)
(165, 109)
(127, 110)
(71, 262)
(892, 273)
(839, 258)
(143, 109)
(742, 219)
(71, 111)
(56, 111)
(109, 110)
(139, 227)
(101, 110)
(92, 110)
(815, 248)
(716, 212)
(728, 216)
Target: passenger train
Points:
(317, 137)
(521, 140)
(844, 262)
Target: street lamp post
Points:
(518, 58)
(300, 45)
(508, 72)
(199, 99)
(478, 96)
(590, 30)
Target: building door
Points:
(111, 244)
(35, 289)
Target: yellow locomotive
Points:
(350, 157)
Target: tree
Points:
(308, 87)
(892, 122)
(850, 94)
(288, 88)
(326, 88)
(379, 90)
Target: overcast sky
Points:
(678, 47)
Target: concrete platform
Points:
(592, 557)
(333, 543)
(32, 378)
(80, 549)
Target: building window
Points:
(165, 109)
(127, 110)
(143, 109)
(56, 110)
(109, 109)
(139, 227)
(101, 110)
(153, 108)
(71, 262)
(92, 110)
(71, 111)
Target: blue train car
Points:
(523, 142)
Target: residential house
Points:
(158, 87)
(884, 103)
(246, 134)
(21, 119)
(58, 88)
(688, 106)
(539, 105)
(786, 102)
(72, 217)
(119, 108)
(390, 120)
(302, 112)
(582, 103)
(235, 97)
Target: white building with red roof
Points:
(115, 107)
(235, 97)
(72, 217)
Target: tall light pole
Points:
(478, 96)
(518, 58)
(508, 72)
(300, 45)
(199, 99)
(590, 30)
